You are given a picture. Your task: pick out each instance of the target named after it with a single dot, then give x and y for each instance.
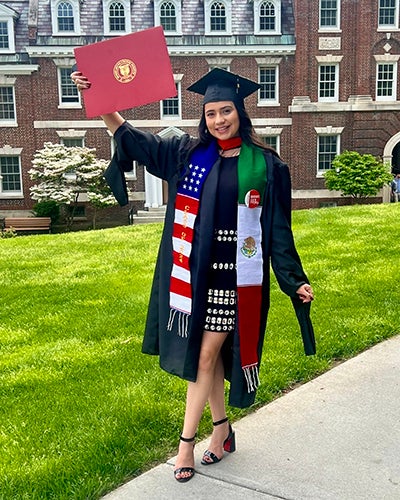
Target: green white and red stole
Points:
(252, 181)
(252, 178)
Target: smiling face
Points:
(222, 119)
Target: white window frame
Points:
(257, 18)
(271, 132)
(393, 95)
(327, 132)
(66, 64)
(106, 17)
(54, 17)
(14, 152)
(8, 16)
(178, 12)
(228, 17)
(64, 135)
(331, 28)
(177, 79)
(335, 97)
(395, 25)
(269, 63)
(9, 82)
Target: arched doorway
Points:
(396, 159)
(391, 155)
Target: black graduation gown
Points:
(178, 355)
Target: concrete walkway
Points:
(334, 438)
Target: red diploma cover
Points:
(126, 72)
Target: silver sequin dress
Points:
(221, 300)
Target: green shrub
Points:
(48, 208)
(8, 233)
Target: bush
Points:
(356, 175)
(8, 233)
(48, 208)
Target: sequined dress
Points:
(221, 300)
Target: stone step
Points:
(150, 215)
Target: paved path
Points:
(334, 438)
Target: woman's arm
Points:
(112, 120)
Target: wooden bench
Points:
(27, 223)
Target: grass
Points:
(82, 410)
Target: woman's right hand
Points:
(80, 81)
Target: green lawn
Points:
(82, 410)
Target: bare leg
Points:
(218, 411)
(197, 395)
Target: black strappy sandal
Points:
(229, 445)
(189, 470)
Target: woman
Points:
(228, 217)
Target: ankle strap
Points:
(187, 440)
(220, 421)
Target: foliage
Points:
(65, 174)
(356, 175)
(8, 233)
(47, 208)
(83, 410)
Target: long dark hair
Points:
(246, 131)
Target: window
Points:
(72, 137)
(386, 81)
(116, 17)
(267, 16)
(268, 79)
(168, 15)
(329, 15)
(65, 17)
(272, 141)
(71, 142)
(7, 19)
(388, 13)
(328, 148)
(328, 83)
(7, 105)
(68, 93)
(218, 17)
(170, 108)
(10, 174)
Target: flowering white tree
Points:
(64, 173)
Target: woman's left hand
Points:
(305, 293)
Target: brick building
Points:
(328, 81)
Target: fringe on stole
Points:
(183, 322)
(251, 376)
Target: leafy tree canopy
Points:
(356, 175)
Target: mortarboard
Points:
(221, 85)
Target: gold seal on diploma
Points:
(124, 70)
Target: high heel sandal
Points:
(189, 470)
(229, 445)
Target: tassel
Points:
(183, 322)
(251, 375)
(172, 313)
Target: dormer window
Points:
(218, 15)
(168, 15)
(267, 17)
(65, 17)
(116, 17)
(7, 36)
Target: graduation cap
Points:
(221, 85)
